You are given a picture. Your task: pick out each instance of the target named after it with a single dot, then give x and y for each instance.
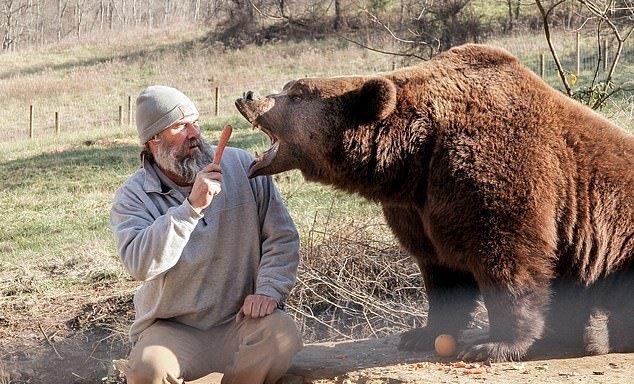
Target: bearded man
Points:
(216, 253)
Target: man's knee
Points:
(282, 332)
(153, 365)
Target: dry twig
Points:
(50, 342)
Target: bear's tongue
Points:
(264, 160)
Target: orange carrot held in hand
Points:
(222, 142)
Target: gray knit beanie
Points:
(158, 107)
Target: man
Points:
(217, 254)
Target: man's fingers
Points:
(271, 307)
(215, 187)
(248, 310)
(261, 310)
(265, 309)
(256, 306)
(211, 168)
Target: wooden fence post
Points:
(31, 121)
(542, 65)
(217, 102)
(121, 115)
(130, 110)
(578, 56)
(57, 123)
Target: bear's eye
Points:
(296, 97)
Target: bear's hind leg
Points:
(596, 336)
(610, 328)
(566, 320)
(452, 296)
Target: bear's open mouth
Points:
(267, 157)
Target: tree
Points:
(12, 23)
(617, 25)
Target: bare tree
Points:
(79, 16)
(338, 22)
(513, 7)
(11, 24)
(600, 12)
(61, 9)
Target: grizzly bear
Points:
(498, 185)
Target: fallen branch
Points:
(50, 342)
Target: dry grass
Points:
(354, 282)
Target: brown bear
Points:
(497, 185)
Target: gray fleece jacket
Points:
(197, 269)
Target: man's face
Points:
(181, 150)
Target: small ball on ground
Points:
(445, 345)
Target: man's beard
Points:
(179, 161)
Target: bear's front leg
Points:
(516, 318)
(451, 293)
(452, 296)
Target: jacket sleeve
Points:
(147, 246)
(280, 244)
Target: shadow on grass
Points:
(183, 48)
(229, 38)
(64, 167)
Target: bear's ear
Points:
(376, 100)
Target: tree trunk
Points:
(110, 18)
(196, 10)
(509, 26)
(401, 16)
(60, 15)
(135, 15)
(337, 24)
(102, 10)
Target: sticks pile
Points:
(353, 285)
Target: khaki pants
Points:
(248, 351)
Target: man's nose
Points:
(193, 130)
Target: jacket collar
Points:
(152, 183)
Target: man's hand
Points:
(208, 184)
(256, 306)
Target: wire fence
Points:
(46, 119)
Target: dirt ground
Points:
(379, 361)
(87, 358)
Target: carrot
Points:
(222, 142)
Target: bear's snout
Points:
(251, 105)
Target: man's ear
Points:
(376, 100)
(153, 143)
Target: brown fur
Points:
(494, 182)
